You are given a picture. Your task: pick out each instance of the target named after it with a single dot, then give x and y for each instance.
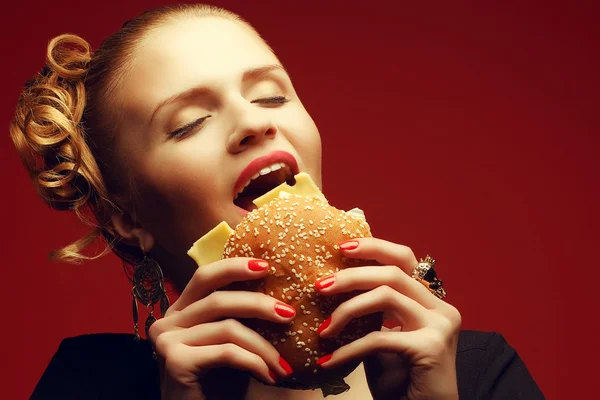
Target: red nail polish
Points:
(284, 364)
(284, 310)
(257, 265)
(390, 324)
(324, 325)
(325, 282)
(348, 245)
(272, 375)
(324, 359)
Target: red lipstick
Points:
(261, 162)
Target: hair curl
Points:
(63, 130)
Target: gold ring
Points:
(425, 273)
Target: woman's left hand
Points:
(423, 344)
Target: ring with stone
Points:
(425, 273)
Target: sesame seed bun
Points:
(299, 238)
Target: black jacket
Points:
(113, 366)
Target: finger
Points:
(411, 314)
(409, 344)
(368, 278)
(237, 304)
(200, 359)
(227, 331)
(382, 251)
(210, 277)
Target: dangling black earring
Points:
(149, 289)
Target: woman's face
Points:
(206, 106)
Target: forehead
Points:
(188, 52)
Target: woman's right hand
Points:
(199, 331)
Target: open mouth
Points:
(263, 181)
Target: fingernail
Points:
(284, 310)
(348, 245)
(272, 375)
(324, 359)
(390, 324)
(324, 325)
(325, 282)
(284, 364)
(257, 265)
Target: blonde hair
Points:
(63, 135)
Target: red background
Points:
(466, 131)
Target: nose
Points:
(254, 126)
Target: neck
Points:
(357, 381)
(179, 269)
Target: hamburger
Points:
(297, 232)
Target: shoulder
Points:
(482, 341)
(114, 353)
(103, 344)
(477, 351)
(487, 367)
(110, 362)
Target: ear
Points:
(132, 233)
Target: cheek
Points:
(179, 171)
(309, 148)
(305, 138)
(172, 192)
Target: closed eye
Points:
(275, 100)
(185, 129)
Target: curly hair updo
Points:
(65, 123)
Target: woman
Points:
(150, 135)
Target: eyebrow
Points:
(249, 75)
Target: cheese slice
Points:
(304, 186)
(209, 248)
(360, 215)
(357, 213)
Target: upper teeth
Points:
(264, 171)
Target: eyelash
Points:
(178, 133)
